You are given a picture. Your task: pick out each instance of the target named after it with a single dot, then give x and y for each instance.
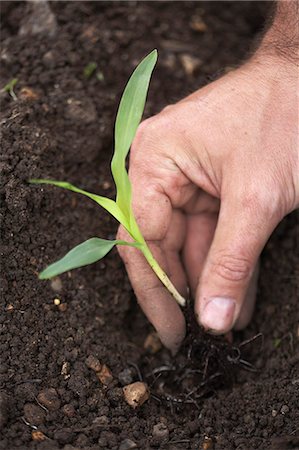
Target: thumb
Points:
(238, 241)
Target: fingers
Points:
(158, 305)
(249, 302)
(238, 241)
(200, 230)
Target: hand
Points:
(212, 177)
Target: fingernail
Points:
(218, 314)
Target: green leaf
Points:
(83, 254)
(106, 203)
(89, 69)
(128, 118)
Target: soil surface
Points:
(55, 334)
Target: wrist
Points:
(281, 41)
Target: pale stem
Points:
(161, 274)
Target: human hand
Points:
(212, 177)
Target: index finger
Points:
(154, 215)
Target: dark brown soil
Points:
(61, 127)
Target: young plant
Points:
(128, 118)
(9, 87)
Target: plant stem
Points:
(161, 274)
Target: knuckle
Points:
(232, 268)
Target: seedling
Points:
(89, 69)
(128, 118)
(9, 87)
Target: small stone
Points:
(93, 363)
(152, 343)
(34, 414)
(197, 24)
(247, 419)
(101, 420)
(274, 412)
(126, 376)
(284, 409)
(207, 443)
(106, 185)
(190, 63)
(49, 398)
(65, 370)
(127, 444)
(9, 308)
(27, 93)
(56, 284)
(69, 410)
(105, 376)
(56, 301)
(38, 436)
(62, 307)
(136, 393)
(40, 21)
(160, 432)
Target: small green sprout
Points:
(276, 342)
(89, 69)
(128, 118)
(9, 87)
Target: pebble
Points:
(56, 284)
(93, 363)
(49, 398)
(34, 414)
(40, 21)
(69, 410)
(101, 420)
(105, 376)
(152, 343)
(136, 393)
(127, 444)
(65, 370)
(284, 409)
(190, 63)
(38, 436)
(126, 376)
(160, 432)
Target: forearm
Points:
(282, 37)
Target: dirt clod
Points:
(160, 432)
(93, 363)
(34, 414)
(49, 398)
(127, 444)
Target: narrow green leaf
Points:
(128, 118)
(106, 203)
(83, 254)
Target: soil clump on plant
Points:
(70, 345)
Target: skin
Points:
(212, 176)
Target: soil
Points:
(61, 126)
